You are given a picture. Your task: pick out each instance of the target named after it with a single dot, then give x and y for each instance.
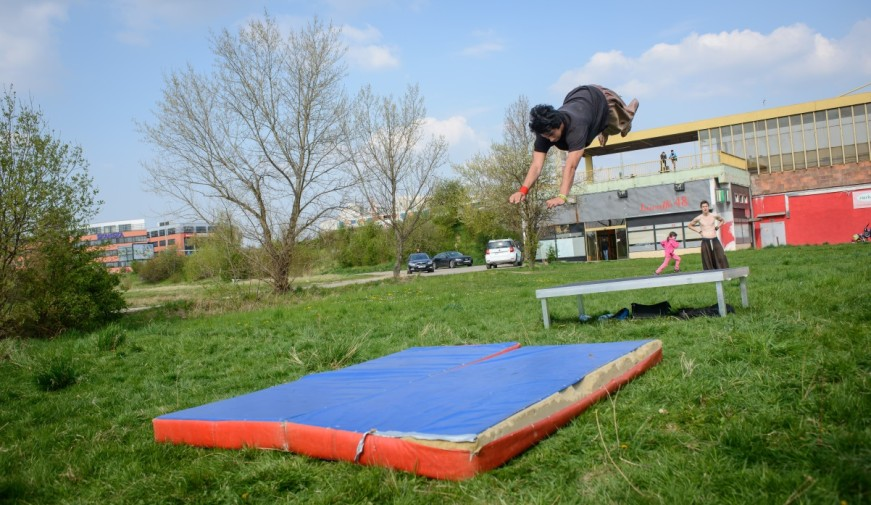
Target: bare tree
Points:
(492, 177)
(258, 137)
(395, 165)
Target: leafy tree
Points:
(219, 254)
(451, 230)
(48, 283)
(62, 285)
(493, 177)
(257, 138)
(365, 245)
(394, 164)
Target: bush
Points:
(55, 374)
(218, 255)
(62, 288)
(551, 254)
(111, 338)
(366, 245)
(165, 265)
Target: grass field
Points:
(768, 405)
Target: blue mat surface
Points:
(448, 393)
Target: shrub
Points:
(61, 288)
(55, 374)
(165, 265)
(111, 337)
(551, 254)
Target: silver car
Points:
(502, 252)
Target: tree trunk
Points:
(399, 247)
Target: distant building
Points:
(357, 214)
(181, 236)
(796, 175)
(120, 243)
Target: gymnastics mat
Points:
(443, 412)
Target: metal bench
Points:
(580, 289)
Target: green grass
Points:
(768, 405)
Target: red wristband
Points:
(524, 190)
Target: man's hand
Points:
(516, 197)
(555, 202)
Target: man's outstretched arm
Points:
(573, 158)
(531, 176)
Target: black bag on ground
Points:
(641, 311)
(712, 311)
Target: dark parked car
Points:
(451, 259)
(420, 262)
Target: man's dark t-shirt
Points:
(585, 114)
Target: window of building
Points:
(835, 139)
(847, 134)
(824, 156)
(738, 141)
(761, 146)
(785, 143)
(201, 229)
(797, 138)
(750, 144)
(726, 135)
(860, 120)
(170, 241)
(774, 163)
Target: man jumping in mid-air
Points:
(587, 112)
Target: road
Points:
(377, 276)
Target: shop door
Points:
(606, 244)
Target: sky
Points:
(97, 68)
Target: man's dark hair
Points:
(703, 202)
(543, 119)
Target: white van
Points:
(502, 252)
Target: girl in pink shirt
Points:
(669, 244)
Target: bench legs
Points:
(544, 313)
(721, 302)
(721, 299)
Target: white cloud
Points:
(363, 52)
(489, 43)
(483, 49)
(462, 139)
(29, 57)
(728, 63)
(139, 18)
(361, 36)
